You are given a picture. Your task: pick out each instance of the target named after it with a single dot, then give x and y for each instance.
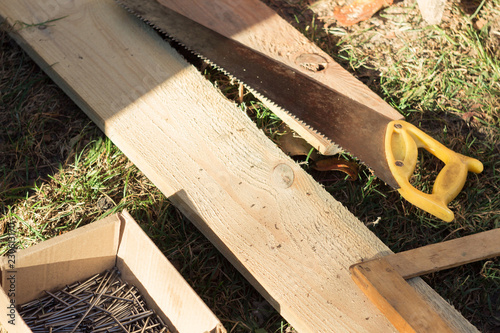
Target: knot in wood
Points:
(312, 61)
(283, 176)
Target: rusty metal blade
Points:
(355, 127)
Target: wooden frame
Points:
(383, 279)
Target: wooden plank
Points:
(396, 299)
(259, 27)
(452, 253)
(279, 227)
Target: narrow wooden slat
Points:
(279, 227)
(396, 299)
(453, 253)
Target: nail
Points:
(56, 297)
(52, 314)
(102, 303)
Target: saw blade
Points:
(355, 127)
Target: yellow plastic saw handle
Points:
(402, 143)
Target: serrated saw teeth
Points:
(389, 148)
(322, 110)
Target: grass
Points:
(59, 172)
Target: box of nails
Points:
(107, 276)
(102, 303)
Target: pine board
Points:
(279, 227)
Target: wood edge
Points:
(418, 316)
(487, 240)
(376, 298)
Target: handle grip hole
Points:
(427, 168)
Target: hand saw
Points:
(389, 147)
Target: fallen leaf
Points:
(359, 10)
(337, 164)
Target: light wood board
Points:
(279, 227)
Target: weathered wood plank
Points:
(259, 27)
(452, 253)
(280, 228)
